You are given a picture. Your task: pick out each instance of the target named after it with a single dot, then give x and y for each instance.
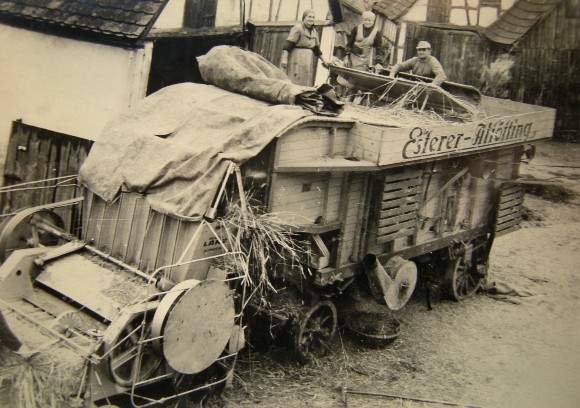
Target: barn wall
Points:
(268, 40)
(547, 71)
(463, 53)
(68, 86)
(38, 154)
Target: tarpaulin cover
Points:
(175, 145)
(248, 73)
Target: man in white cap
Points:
(423, 64)
(364, 49)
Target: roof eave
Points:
(69, 32)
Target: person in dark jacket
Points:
(301, 51)
(365, 46)
(424, 64)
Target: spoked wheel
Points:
(18, 233)
(466, 271)
(126, 364)
(315, 330)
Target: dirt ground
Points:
(517, 351)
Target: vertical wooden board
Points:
(482, 202)
(168, 242)
(124, 225)
(10, 166)
(185, 233)
(95, 220)
(362, 218)
(334, 194)
(152, 241)
(59, 156)
(464, 204)
(195, 245)
(429, 213)
(53, 158)
(16, 167)
(22, 148)
(35, 170)
(350, 223)
(87, 206)
(109, 226)
(138, 230)
(43, 195)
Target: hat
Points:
(423, 44)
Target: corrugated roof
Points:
(518, 20)
(125, 21)
(393, 9)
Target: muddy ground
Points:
(517, 351)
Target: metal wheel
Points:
(315, 330)
(464, 273)
(125, 363)
(17, 233)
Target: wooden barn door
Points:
(41, 168)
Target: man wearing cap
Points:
(423, 64)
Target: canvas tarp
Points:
(175, 145)
(248, 73)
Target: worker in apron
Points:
(364, 50)
(302, 50)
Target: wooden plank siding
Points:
(463, 52)
(129, 230)
(300, 196)
(36, 154)
(309, 142)
(509, 209)
(547, 67)
(269, 40)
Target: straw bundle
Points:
(44, 379)
(408, 108)
(264, 240)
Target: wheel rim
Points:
(17, 232)
(315, 331)
(465, 278)
(125, 359)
